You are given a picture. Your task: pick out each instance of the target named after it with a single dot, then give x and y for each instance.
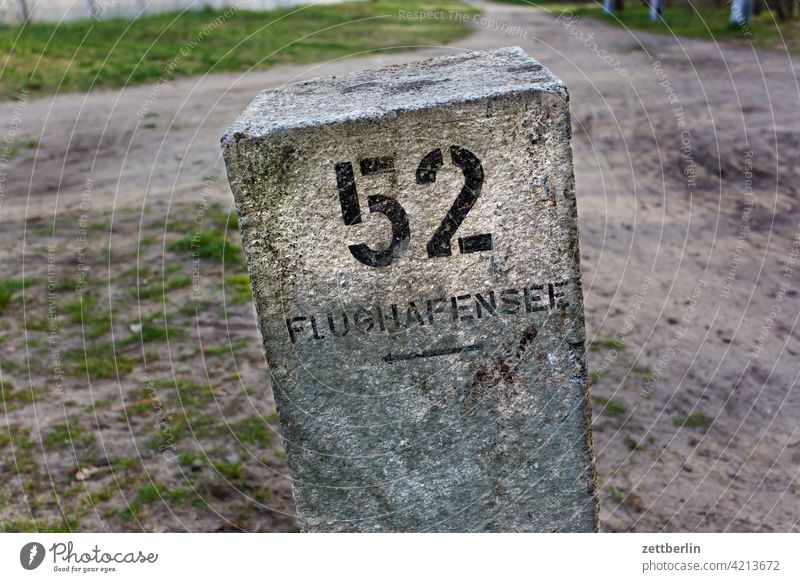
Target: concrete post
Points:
(412, 241)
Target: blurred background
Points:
(133, 391)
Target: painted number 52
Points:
(439, 244)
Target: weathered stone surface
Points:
(425, 382)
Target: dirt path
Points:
(686, 157)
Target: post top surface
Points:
(384, 92)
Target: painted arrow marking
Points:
(390, 358)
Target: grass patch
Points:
(126, 463)
(611, 406)
(154, 328)
(16, 436)
(237, 289)
(11, 396)
(138, 402)
(191, 393)
(606, 343)
(9, 366)
(232, 471)
(85, 311)
(98, 361)
(226, 349)
(6, 393)
(17, 284)
(209, 244)
(42, 56)
(101, 496)
(160, 291)
(8, 289)
(153, 492)
(254, 429)
(699, 420)
(68, 432)
(10, 152)
(616, 494)
(188, 458)
(99, 404)
(28, 526)
(149, 332)
(633, 445)
(706, 22)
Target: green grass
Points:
(11, 397)
(16, 436)
(633, 445)
(98, 361)
(611, 406)
(191, 393)
(85, 311)
(82, 55)
(27, 526)
(209, 244)
(101, 496)
(680, 19)
(154, 329)
(151, 333)
(699, 420)
(8, 288)
(187, 400)
(237, 288)
(231, 471)
(159, 291)
(226, 349)
(607, 343)
(616, 494)
(8, 153)
(69, 432)
(126, 463)
(6, 390)
(155, 492)
(96, 405)
(9, 366)
(254, 429)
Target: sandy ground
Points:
(686, 155)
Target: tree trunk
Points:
(789, 4)
(780, 8)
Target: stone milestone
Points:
(411, 237)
